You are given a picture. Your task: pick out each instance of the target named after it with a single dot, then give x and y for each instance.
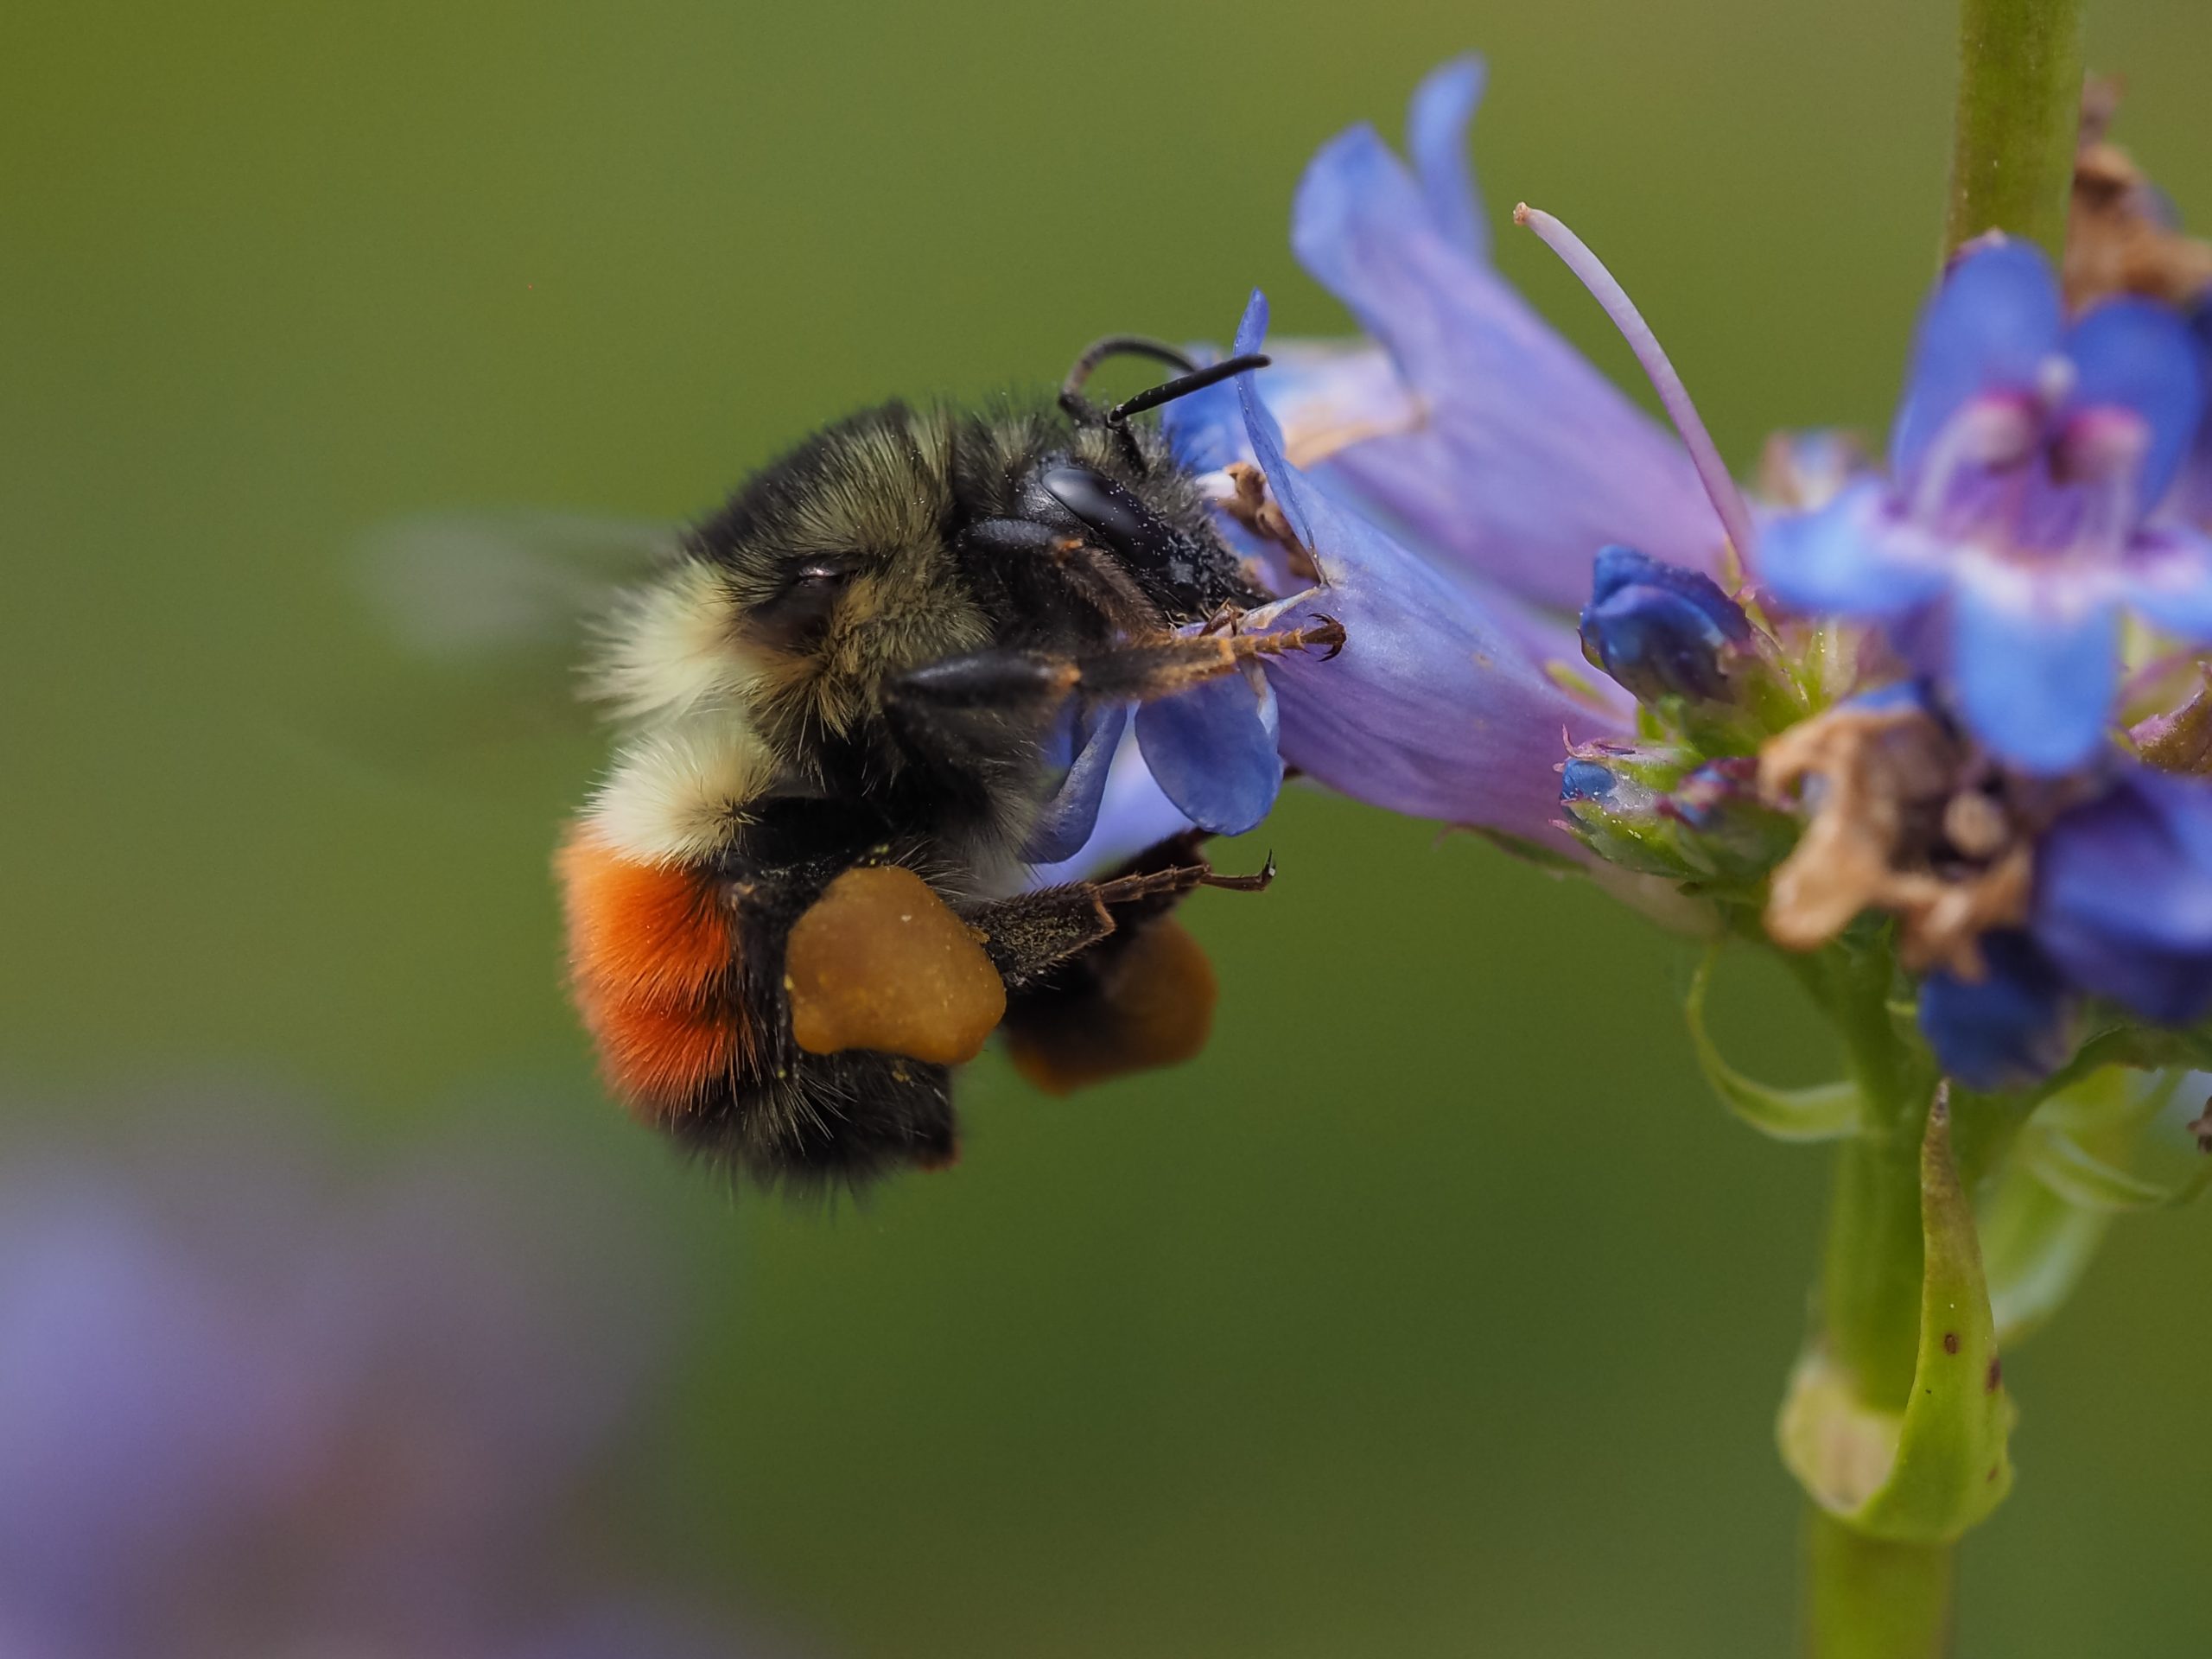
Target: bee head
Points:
(827, 577)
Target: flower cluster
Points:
(1945, 706)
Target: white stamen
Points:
(2055, 378)
(1987, 432)
(1719, 488)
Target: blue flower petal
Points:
(1529, 459)
(2034, 664)
(1439, 705)
(1211, 750)
(2123, 900)
(1436, 137)
(1992, 322)
(2007, 1030)
(1064, 823)
(1133, 816)
(1851, 557)
(2139, 356)
(2169, 580)
(1205, 430)
(1326, 393)
(2194, 497)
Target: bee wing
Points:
(488, 616)
(483, 586)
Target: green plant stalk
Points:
(2019, 110)
(1865, 1597)
(1871, 1599)
(1871, 1265)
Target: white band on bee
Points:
(678, 794)
(672, 648)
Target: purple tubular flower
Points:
(1436, 707)
(2008, 1029)
(1529, 459)
(2010, 534)
(1658, 630)
(2123, 902)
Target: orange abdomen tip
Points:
(880, 963)
(651, 951)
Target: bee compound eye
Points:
(805, 600)
(1119, 517)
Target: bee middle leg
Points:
(1032, 935)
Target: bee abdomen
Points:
(652, 954)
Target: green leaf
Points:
(2035, 1249)
(1827, 1111)
(2087, 1182)
(1928, 1473)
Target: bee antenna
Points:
(1184, 385)
(1072, 398)
(1192, 379)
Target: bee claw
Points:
(1330, 633)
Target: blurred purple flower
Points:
(2010, 534)
(2006, 1030)
(2122, 910)
(244, 1410)
(2123, 901)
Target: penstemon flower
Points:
(2029, 453)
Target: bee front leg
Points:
(987, 691)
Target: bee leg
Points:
(987, 688)
(1139, 997)
(1032, 933)
(1161, 667)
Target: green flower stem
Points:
(1875, 1600)
(2018, 114)
(1871, 1267)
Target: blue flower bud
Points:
(1614, 795)
(1659, 630)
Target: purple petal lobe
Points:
(2135, 355)
(1065, 822)
(2123, 900)
(1529, 460)
(1212, 750)
(1852, 557)
(1133, 815)
(1436, 137)
(2169, 580)
(1992, 321)
(2008, 1029)
(2035, 665)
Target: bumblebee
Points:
(795, 902)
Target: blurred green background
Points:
(1436, 1309)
